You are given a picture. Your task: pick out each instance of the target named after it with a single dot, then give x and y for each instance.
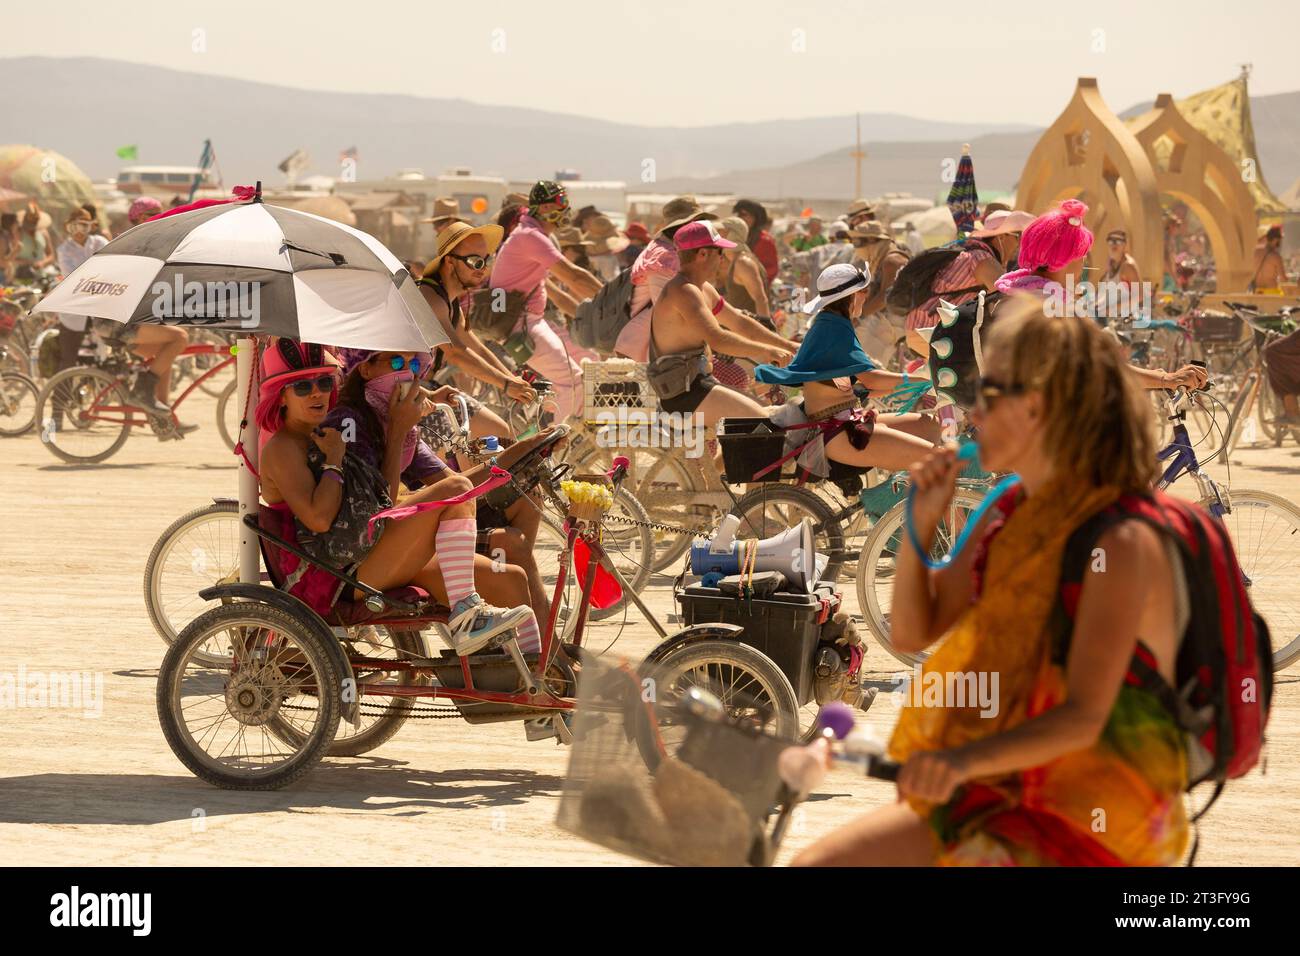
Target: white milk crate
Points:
(617, 390)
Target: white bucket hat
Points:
(837, 281)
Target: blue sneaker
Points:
(474, 622)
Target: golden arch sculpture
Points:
(1193, 168)
(1088, 153)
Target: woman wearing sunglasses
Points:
(1019, 780)
(327, 490)
(381, 423)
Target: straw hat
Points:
(605, 238)
(457, 233)
(872, 229)
(445, 209)
(1002, 221)
(859, 206)
(514, 199)
(680, 211)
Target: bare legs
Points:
(890, 836)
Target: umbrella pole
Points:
(250, 570)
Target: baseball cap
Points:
(700, 234)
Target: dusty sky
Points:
(689, 63)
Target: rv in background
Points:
(164, 182)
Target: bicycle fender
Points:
(225, 501)
(693, 635)
(292, 605)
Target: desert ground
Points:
(105, 789)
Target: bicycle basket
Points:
(1211, 326)
(749, 445)
(707, 799)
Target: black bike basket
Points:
(749, 445)
(1220, 327)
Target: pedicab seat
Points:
(408, 603)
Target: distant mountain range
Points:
(916, 167)
(86, 108)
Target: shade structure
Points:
(255, 269)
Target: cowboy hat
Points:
(680, 211)
(572, 236)
(457, 233)
(604, 235)
(872, 229)
(858, 207)
(1003, 221)
(445, 209)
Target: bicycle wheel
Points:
(381, 717)
(215, 719)
(84, 415)
(229, 414)
(772, 508)
(667, 490)
(18, 400)
(198, 550)
(1265, 532)
(876, 564)
(752, 689)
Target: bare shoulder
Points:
(1132, 550)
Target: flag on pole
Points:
(295, 163)
(128, 152)
(963, 199)
(205, 162)
(349, 153)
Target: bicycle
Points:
(18, 398)
(269, 711)
(86, 413)
(1255, 399)
(200, 549)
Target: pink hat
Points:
(1002, 221)
(700, 234)
(283, 363)
(143, 208)
(1056, 239)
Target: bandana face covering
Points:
(379, 392)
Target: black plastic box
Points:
(784, 626)
(748, 445)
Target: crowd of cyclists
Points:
(357, 485)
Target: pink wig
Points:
(1056, 239)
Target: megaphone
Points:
(791, 552)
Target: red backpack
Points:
(1223, 684)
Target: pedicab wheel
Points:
(73, 421)
(877, 560)
(228, 413)
(381, 717)
(216, 719)
(752, 689)
(769, 510)
(18, 400)
(198, 550)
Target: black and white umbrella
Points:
(256, 269)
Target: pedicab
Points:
(251, 693)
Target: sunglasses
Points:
(474, 262)
(989, 390)
(397, 362)
(324, 383)
(1116, 242)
